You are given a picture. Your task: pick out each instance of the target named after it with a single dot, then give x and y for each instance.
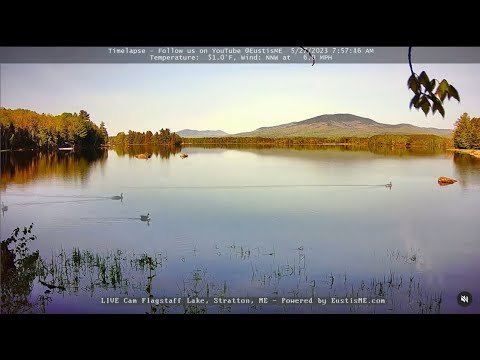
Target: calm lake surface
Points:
(228, 222)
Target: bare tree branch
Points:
(410, 59)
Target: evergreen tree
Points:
(84, 115)
(104, 133)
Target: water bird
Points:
(145, 217)
(183, 156)
(117, 197)
(389, 185)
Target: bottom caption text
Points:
(245, 300)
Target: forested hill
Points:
(336, 125)
(26, 129)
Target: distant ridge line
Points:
(333, 125)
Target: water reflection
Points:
(467, 169)
(87, 274)
(163, 151)
(24, 167)
(379, 150)
(265, 236)
(403, 151)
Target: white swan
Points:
(116, 197)
(145, 217)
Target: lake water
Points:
(246, 222)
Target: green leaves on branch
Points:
(442, 89)
(430, 94)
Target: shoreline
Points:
(472, 152)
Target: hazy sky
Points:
(233, 98)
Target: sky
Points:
(231, 97)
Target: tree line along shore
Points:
(372, 141)
(26, 129)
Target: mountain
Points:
(188, 133)
(334, 125)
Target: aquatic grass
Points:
(82, 271)
(238, 251)
(408, 257)
(83, 268)
(195, 287)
